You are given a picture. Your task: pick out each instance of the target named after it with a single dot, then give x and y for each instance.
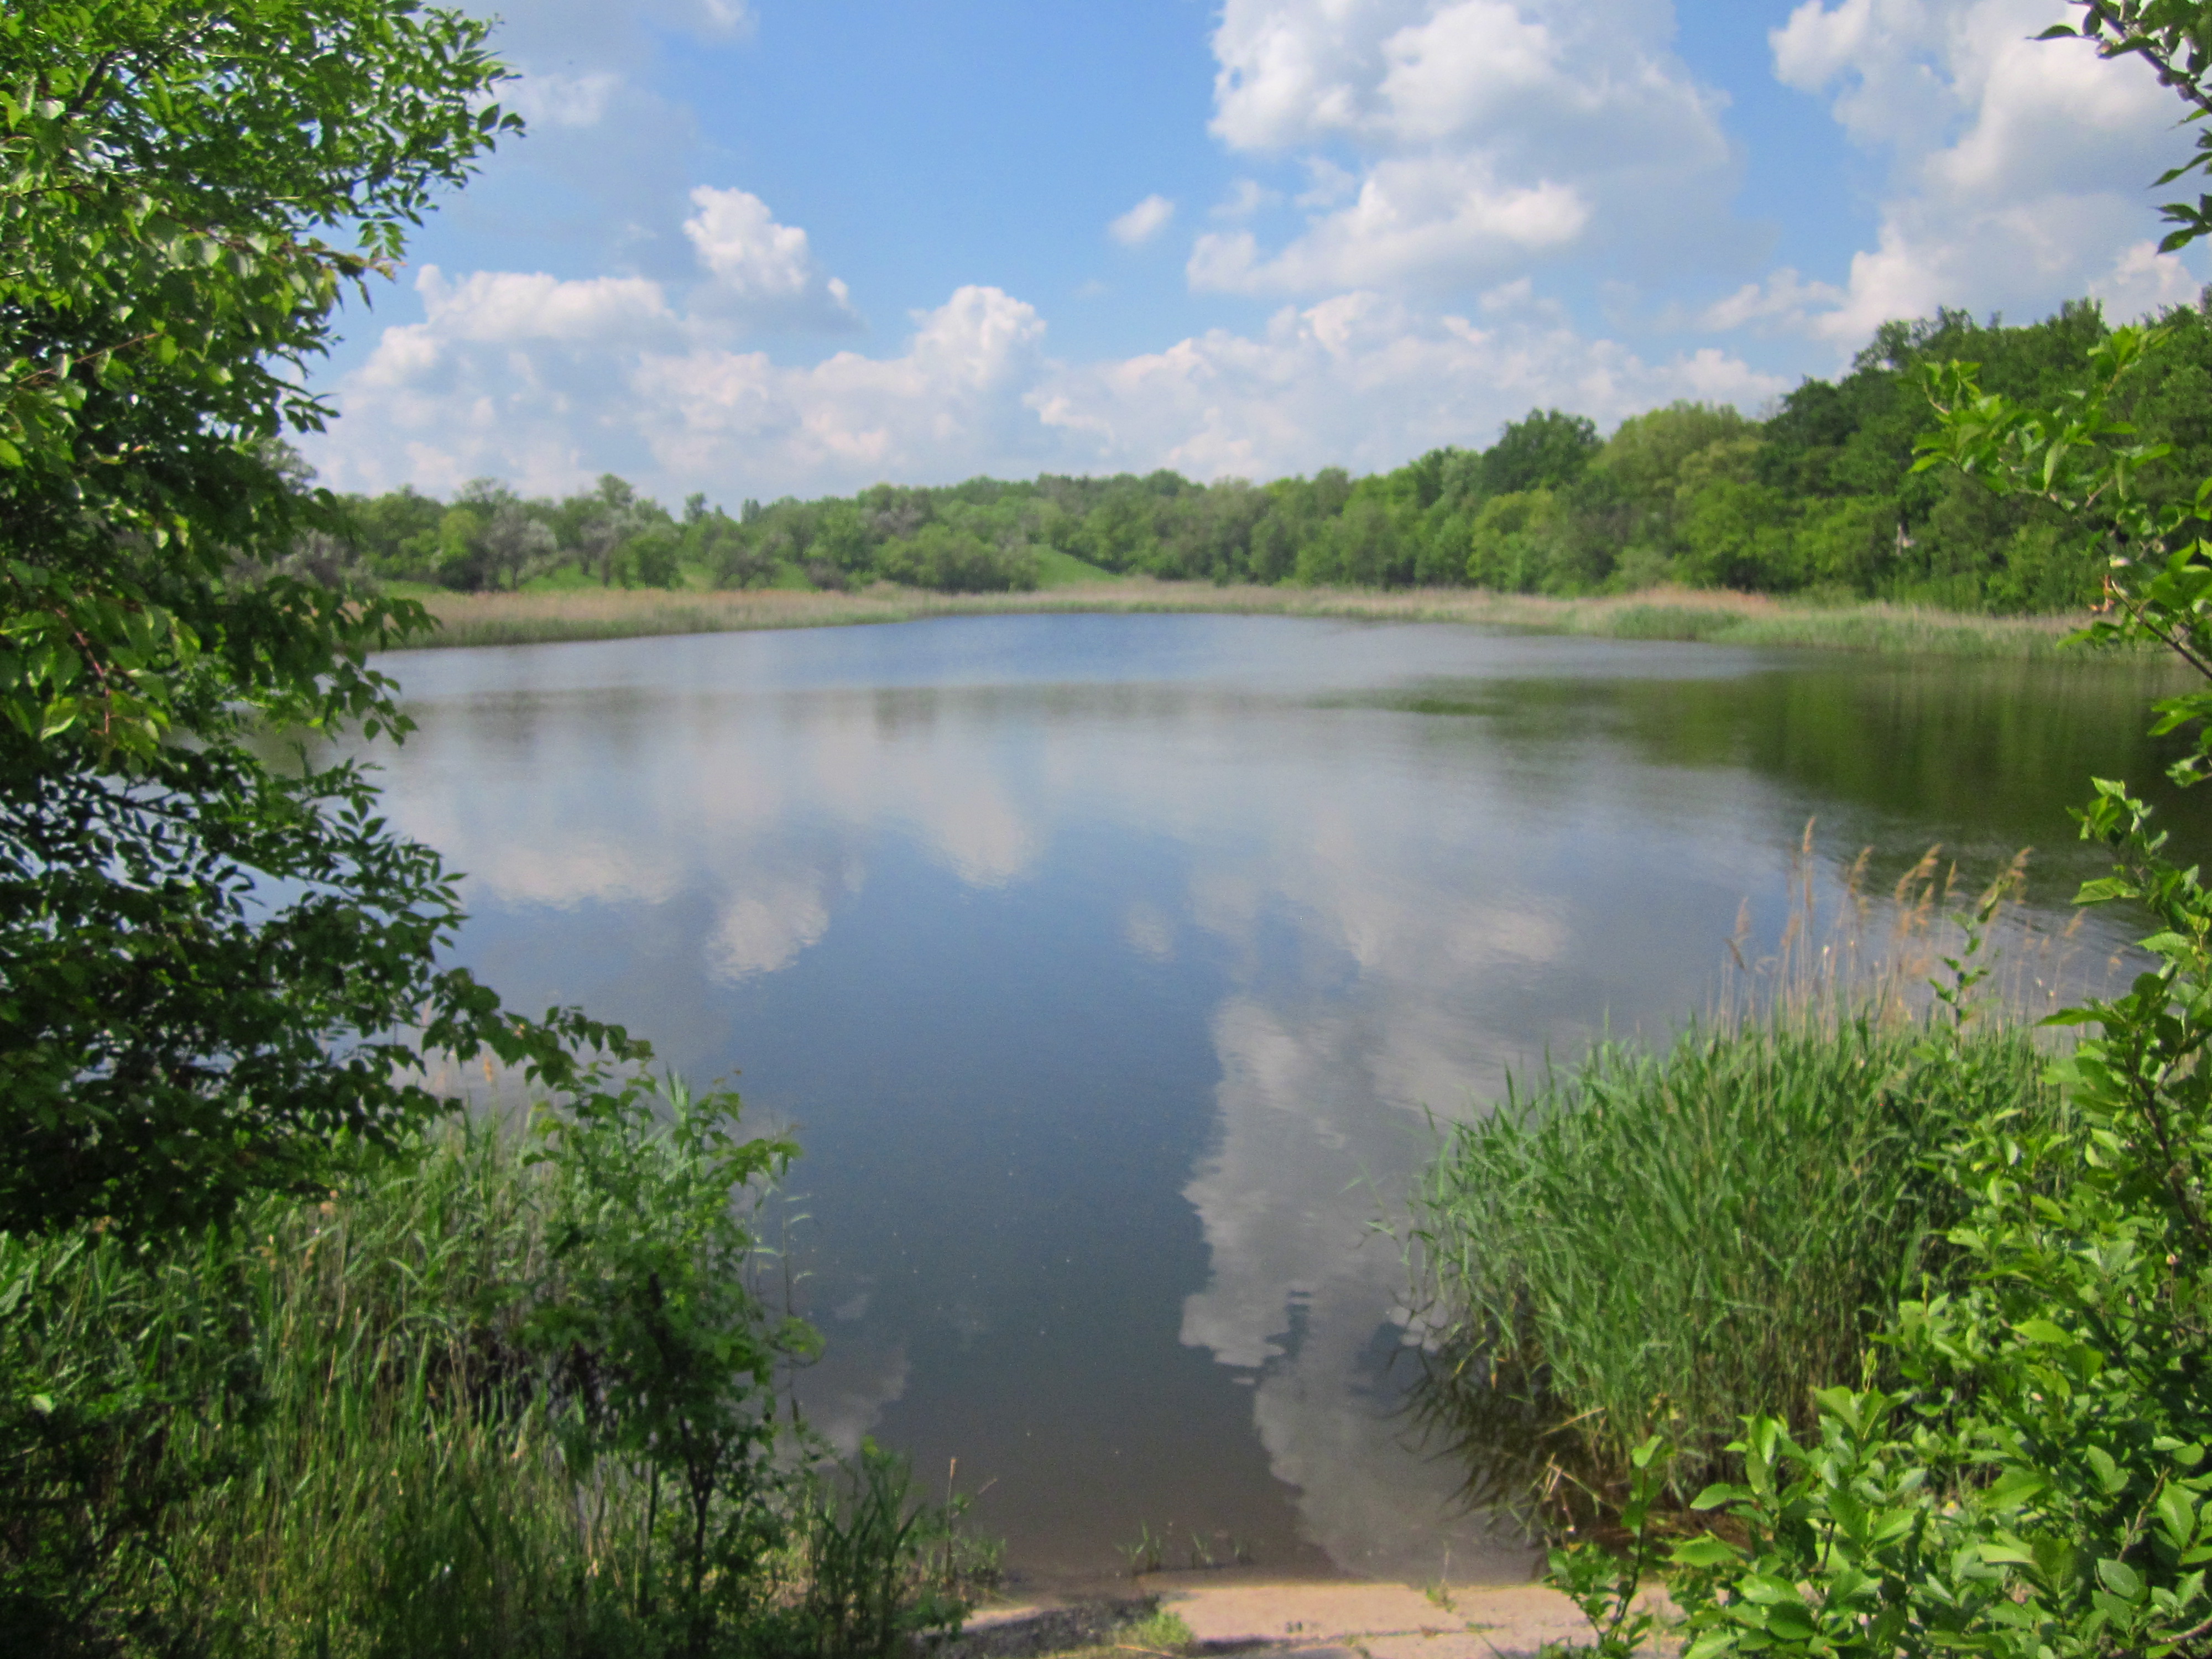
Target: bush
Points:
(959, 562)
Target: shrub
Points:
(953, 561)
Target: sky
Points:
(760, 248)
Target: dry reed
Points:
(1665, 1242)
(1721, 618)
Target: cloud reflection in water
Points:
(1112, 967)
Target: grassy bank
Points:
(1721, 618)
(507, 1394)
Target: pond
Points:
(1113, 971)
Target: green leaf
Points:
(1704, 1551)
(2177, 1511)
(2108, 1472)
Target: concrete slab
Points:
(1313, 1621)
(1385, 1621)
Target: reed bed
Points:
(324, 1435)
(1888, 955)
(1664, 1240)
(407, 1493)
(1725, 619)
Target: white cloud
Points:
(764, 929)
(1433, 214)
(1246, 197)
(509, 306)
(1360, 380)
(2142, 281)
(1455, 111)
(717, 16)
(1143, 222)
(1785, 300)
(560, 100)
(1486, 133)
(762, 270)
(950, 397)
(2017, 167)
(1326, 183)
(613, 147)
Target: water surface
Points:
(1111, 968)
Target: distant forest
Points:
(1817, 496)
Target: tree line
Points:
(1819, 495)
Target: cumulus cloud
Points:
(504, 377)
(1784, 299)
(506, 306)
(1143, 222)
(2142, 280)
(1442, 142)
(501, 377)
(613, 149)
(953, 395)
(2017, 167)
(764, 929)
(1361, 380)
(1433, 214)
(762, 270)
(1484, 133)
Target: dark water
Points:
(1110, 968)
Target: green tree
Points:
(1514, 541)
(1543, 452)
(397, 532)
(210, 968)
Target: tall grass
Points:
(1673, 614)
(350, 1439)
(406, 1492)
(1661, 1242)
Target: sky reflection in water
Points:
(1111, 967)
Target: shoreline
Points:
(1713, 617)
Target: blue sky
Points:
(760, 248)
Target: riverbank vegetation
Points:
(1719, 617)
(1819, 496)
(1663, 1243)
(2019, 1463)
(296, 1357)
(1780, 1190)
(512, 1387)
